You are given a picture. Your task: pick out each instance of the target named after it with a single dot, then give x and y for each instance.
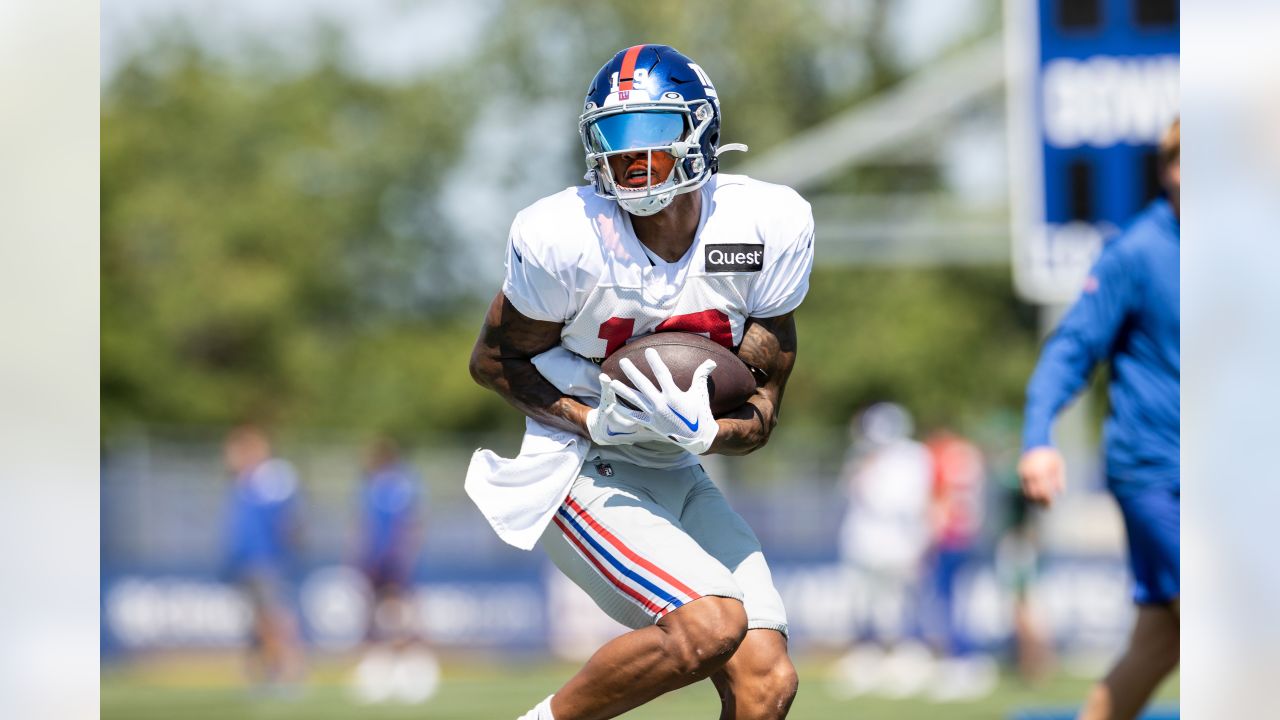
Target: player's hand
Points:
(612, 424)
(1042, 473)
(682, 416)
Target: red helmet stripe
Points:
(629, 67)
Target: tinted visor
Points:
(628, 131)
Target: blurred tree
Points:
(950, 344)
(272, 244)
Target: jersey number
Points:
(617, 331)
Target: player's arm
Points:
(768, 346)
(1082, 341)
(502, 360)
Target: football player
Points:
(658, 240)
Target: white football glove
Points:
(682, 416)
(614, 424)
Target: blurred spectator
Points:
(883, 541)
(262, 538)
(1016, 533)
(1017, 561)
(396, 665)
(956, 514)
(1128, 317)
(390, 535)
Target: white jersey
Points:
(574, 258)
(886, 527)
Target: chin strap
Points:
(731, 146)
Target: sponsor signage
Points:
(734, 257)
(1085, 601)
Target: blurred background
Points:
(304, 210)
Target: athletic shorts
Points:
(643, 542)
(1151, 522)
(264, 587)
(387, 575)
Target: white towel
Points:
(518, 496)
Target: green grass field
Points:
(209, 688)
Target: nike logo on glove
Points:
(693, 426)
(609, 431)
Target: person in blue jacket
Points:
(1128, 317)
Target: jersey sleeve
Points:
(1081, 341)
(784, 279)
(533, 284)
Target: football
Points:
(729, 386)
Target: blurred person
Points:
(396, 664)
(262, 538)
(888, 479)
(658, 240)
(391, 497)
(956, 516)
(1017, 560)
(1017, 548)
(1127, 317)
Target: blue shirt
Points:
(260, 518)
(1127, 315)
(389, 503)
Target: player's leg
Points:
(277, 648)
(618, 541)
(759, 682)
(687, 645)
(1151, 518)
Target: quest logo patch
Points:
(736, 257)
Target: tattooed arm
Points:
(769, 347)
(502, 361)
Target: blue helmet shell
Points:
(654, 78)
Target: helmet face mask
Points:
(650, 101)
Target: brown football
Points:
(729, 386)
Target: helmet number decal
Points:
(704, 79)
(638, 78)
